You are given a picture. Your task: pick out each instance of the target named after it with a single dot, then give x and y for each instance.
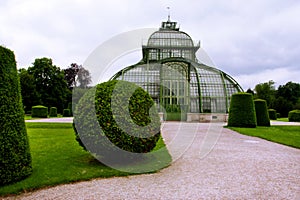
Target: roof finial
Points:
(168, 14)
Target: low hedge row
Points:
(39, 111)
(272, 114)
(53, 112)
(66, 113)
(294, 116)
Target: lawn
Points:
(28, 117)
(287, 135)
(57, 159)
(283, 119)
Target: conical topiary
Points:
(242, 111)
(262, 115)
(15, 159)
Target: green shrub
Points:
(53, 112)
(39, 111)
(278, 115)
(294, 116)
(242, 111)
(66, 113)
(261, 110)
(70, 108)
(272, 114)
(126, 121)
(15, 158)
(175, 112)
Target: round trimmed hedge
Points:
(294, 116)
(242, 111)
(272, 114)
(53, 112)
(15, 158)
(66, 113)
(108, 118)
(39, 111)
(261, 110)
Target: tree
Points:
(50, 83)
(290, 91)
(30, 96)
(250, 91)
(70, 75)
(15, 158)
(287, 98)
(83, 77)
(283, 106)
(266, 91)
(77, 76)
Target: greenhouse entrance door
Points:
(174, 91)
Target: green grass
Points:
(57, 159)
(287, 135)
(283, 119)
(28, 117)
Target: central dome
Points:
(170, 38)
(169, 42)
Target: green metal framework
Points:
(169, 71)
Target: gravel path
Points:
(238, 167)
(61, 119)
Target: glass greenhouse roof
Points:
(169, 71)
(170, 38)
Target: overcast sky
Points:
(253, 41)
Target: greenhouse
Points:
(179, 84)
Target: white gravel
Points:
(238, 167)
(58, 120)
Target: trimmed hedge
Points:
(278, 115)
(272, 114)
(261, 110)
(39, 111)
(175, 112)
(15, 158)
(70, 107)
(242, 111)
(66, 113)
(126, 121)
(53, 112)
(294, 116)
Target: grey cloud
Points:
(240, 38)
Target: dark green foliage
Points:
(294, 116)
(39, 111)
(278, 115)
(266, 91)
(53, 112)
(30, 96)
(242, 111)
(175, 112)
(250, 91)
(272, 114)
(70, 107)
(283, 106)
(261, 110)
(287, 98)
(108, 105)
(50, 83)
(15, 158)
(66, 113)
(283, 100)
